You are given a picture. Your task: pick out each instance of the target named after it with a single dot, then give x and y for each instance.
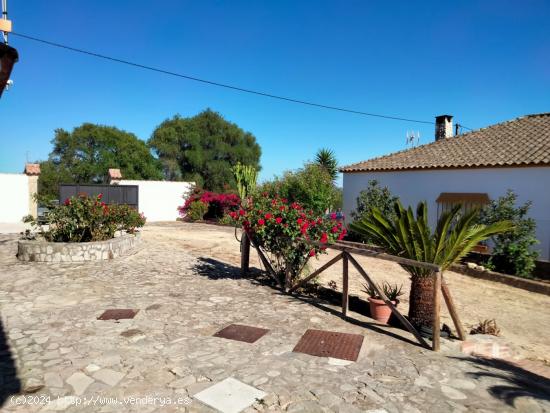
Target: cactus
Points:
(246, 176)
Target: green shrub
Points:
(197, 210)
(512, 252)
(84, 219)
(311, 186)
(377, 197)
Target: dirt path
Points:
(523, 316)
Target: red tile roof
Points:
(524, 141)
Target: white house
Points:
(470, 168)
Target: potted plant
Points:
(379, 310)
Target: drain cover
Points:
(241, 333)
(321, 343)
(118, 314)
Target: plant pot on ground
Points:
(379, 310)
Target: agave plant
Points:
(456, 234)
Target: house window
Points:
(469, 200)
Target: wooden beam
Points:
(316, 273)
(436, 325)
(345, 284)
(452, 310)
(266, 263)
(394, 310)
(245, 253)
(383, 256)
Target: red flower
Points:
(100, 196)
(268, 216)
(261, 221)
(278, 220)
(333, 215)
(284, 200)
(312, 253)
(342, 234)
(299, 221)
(241, 212)
(324, 238)
(233, 214)
(282, 208)
(334, 230)
(67, 201)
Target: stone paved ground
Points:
(49, 315)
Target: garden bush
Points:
(84, 219)
(311, 186)
(218, 204)
(512, 252)
(197, 210)
(283, 230)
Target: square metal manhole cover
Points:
(241, 333)
(321, 343)
(118, 314)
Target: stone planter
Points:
(43, 251)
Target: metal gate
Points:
(112, 194)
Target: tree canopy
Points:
(203, 149)
(85, 155)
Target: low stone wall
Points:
(43, 251)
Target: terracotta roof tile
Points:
(32, 169)
(115, 173)
(518, 142)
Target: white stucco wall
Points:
(15, 197)
(530, 184)
(159, 200)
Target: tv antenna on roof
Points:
(412, 138)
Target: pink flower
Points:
(333, 215)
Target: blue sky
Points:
(481, 61)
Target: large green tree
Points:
(85, 155)
(204, 149)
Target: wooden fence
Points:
(347, 250)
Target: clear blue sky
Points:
(481, 61)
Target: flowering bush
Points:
(217, 204)
(284, 231)
(83, 219)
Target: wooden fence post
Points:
(345, 284)
(452, 311)
(436, 326)
(245, 254)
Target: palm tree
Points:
(456, 234)
(327, 160)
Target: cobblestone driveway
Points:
(49, 315)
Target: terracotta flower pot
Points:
(379, 310)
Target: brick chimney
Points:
(443, 127)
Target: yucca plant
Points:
(456, 234)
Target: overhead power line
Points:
(209, 82)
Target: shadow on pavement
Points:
(9, 382)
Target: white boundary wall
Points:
(15, 198)
(529, 183)
(159, 200)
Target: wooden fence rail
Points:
(346, 250)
